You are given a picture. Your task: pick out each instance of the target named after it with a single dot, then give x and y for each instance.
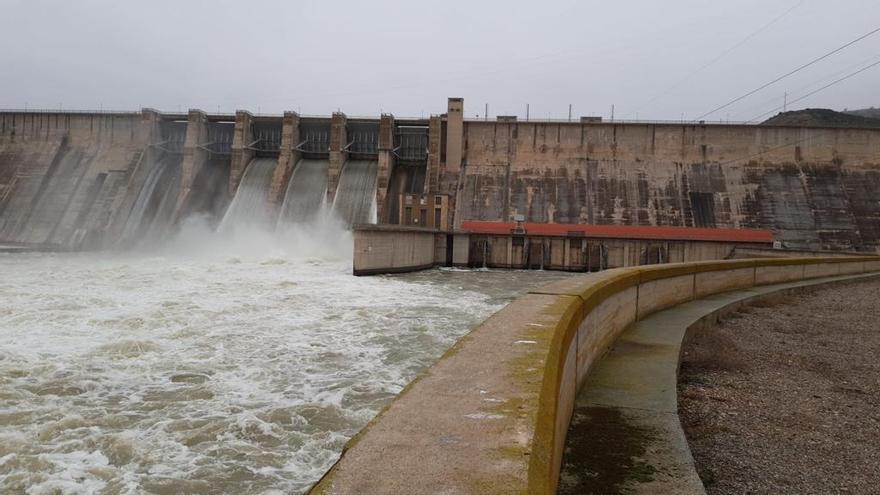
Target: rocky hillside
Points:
(823, 117)
(871, 113)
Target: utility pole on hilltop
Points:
(486, 112)
(527, 112)
(569, 112)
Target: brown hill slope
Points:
(871, 113)
(821, 117)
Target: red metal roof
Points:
(623, 231)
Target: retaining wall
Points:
(492, 414)
(380, 249)
(814, 187)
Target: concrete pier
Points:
(242, 151)
(338, 154)
(394, 249)
(288, 157)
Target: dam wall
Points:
(65, 178)
(71, 179)
(491, 416)
(815, 188)
(80, 180)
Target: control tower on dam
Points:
(82, 180)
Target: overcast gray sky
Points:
(407, 56)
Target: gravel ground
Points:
(784, 396)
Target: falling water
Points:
(356, 193)
(250, 206)
(151, 199)
(306, 191)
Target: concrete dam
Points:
(207, 335)
(75, 180)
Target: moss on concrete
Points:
(614, 458)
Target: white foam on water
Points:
(230, 364)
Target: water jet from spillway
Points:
(153, 203)
(355, 200)
(250, 207)
(306, 193)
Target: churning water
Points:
(215, 364)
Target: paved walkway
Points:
(625, 435)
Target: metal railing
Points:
(69, 111)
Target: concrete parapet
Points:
(634, 388)
(709, 283)
(660, 294)
(501, 399)
(823, 270)
(618, 311)
(775, 274)
(849, 268)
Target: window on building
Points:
(438, 216)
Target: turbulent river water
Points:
(212, 365)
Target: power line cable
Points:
(703, 67)
(811, 93)
(804, 66)
(806, 87)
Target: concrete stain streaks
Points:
(64, 175)
(815, 188)
(69, 179)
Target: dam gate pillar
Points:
(432, 172)
(242, 153)
(452, 165)
(194, 156)
(386, 164)
(152, 120)
(288, 157)
(338, 140)
(454, 134)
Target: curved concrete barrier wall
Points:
(491, 416)
(647, 289)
